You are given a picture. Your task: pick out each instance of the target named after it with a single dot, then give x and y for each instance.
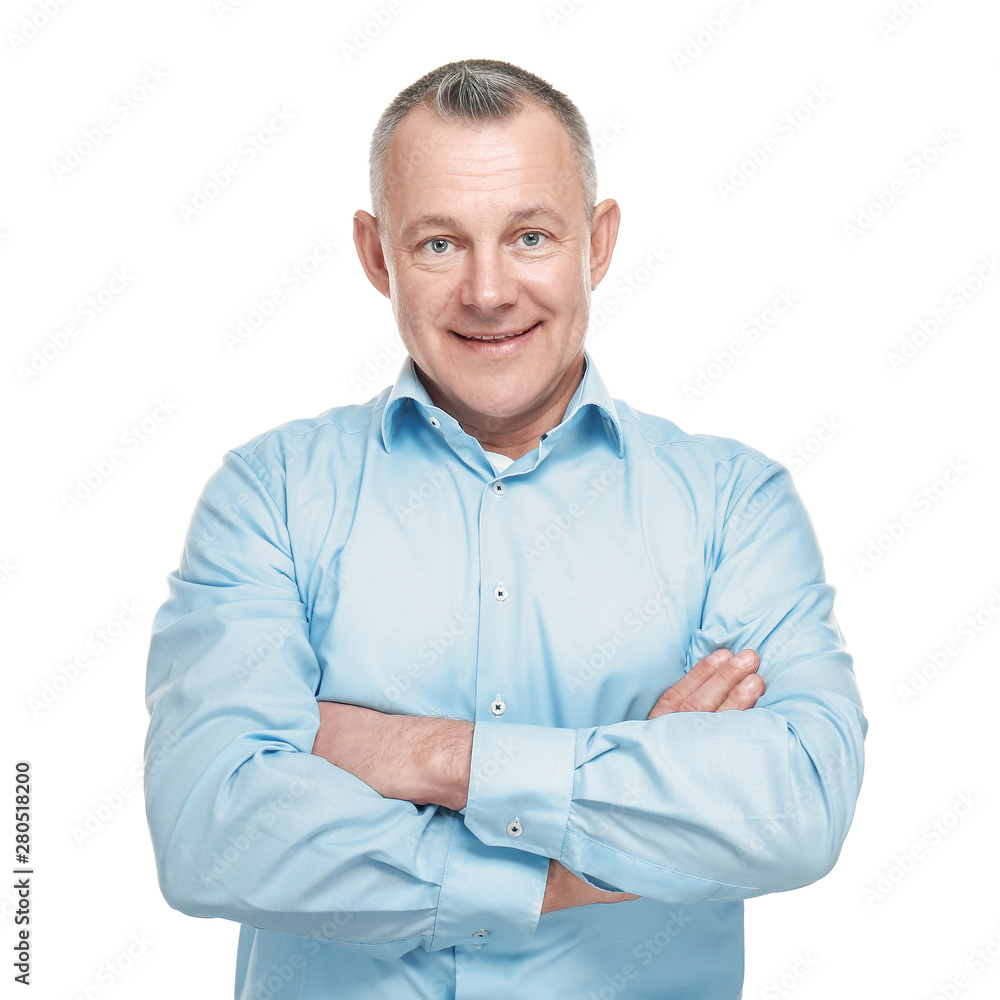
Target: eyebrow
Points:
(447, 222)
(537, 212)
(430, 222)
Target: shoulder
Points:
(310, 457)
(338, 429)
(663, 442)
(732, 483)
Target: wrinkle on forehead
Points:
(430, 159)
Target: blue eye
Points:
(532, 239)
(439, 245)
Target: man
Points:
(440, 672)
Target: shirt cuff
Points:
(490, 897)
(521, 786)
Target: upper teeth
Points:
(494, 336)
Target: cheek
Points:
(560, 283)
(418, 300)
(565, 299)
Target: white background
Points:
(871, 435)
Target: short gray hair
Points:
(481, 90)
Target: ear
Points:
(369, 247)
(603, 235)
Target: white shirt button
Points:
(499, 489)
(498, 707)
(515, 829)
(435, 422)
(500, 592)
(480, 933)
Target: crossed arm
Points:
(764, 798)
(426, 760)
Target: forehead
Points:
(451, 167)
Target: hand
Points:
(563, 890)
(717, 683)
(401, 756)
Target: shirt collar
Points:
(408, 394)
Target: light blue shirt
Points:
(372, 555)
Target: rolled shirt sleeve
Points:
(695, 806)
(246, 822)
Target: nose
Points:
(490, 280)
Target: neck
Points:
(516, 435)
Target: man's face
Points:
(488, 257)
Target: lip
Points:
(495, 336)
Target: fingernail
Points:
(719, 657)
(745, 659)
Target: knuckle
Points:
(732, 674)
(669, 699)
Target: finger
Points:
(674, 696)
(717, 688)
(745, 694)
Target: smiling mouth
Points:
(492, 337)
